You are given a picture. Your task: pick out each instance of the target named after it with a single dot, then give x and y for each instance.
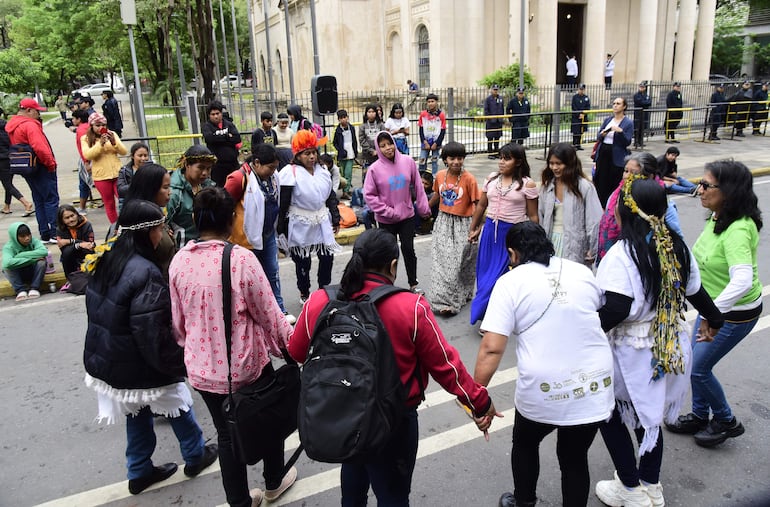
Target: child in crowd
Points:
(283, 136)
(24, 261)
(398, 125)
(367, 138)
(454, 257)
(422, 226)
(432, 123)
(266, 134)
(75, 238)
(667, 169)
(347, 149)
(328, 162)
(363, 213)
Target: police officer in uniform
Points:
(673, 101)
(759, 109)
(519, 105)
(718, 110)
(580, 103)
(493, 106)
(642, 102)
(740, 111)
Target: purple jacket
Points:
(389, 185)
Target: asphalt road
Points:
(54, 454)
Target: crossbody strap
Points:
(227, 298)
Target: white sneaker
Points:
(290, 318)
(257, 495)
(21, 296)
(33, 294)
(655, 492)
(615, 494)
(286, 483)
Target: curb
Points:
(6, 291)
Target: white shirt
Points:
(564, 359)
(392, 124)
(347, 143)
(609, 68)
(572, 67)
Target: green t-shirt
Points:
(715, 254)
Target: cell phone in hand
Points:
(104, 130)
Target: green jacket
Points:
(16, 256)
(180, 207)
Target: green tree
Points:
(508, 77)
(18, 72)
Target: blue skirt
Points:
(492, 263)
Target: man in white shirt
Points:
(609, 71)
(572, 71)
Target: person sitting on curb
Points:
(668, 171)
(24, 261)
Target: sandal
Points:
(29, 212)
(6, 212)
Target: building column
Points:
(543, 50)
(645, 55)
(704, 39)
(685, 36)
(592, 69)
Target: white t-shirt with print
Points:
(564, 358)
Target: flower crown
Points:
(666, 350)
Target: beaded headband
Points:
(666, 350)
(140, 226)
(192, 159)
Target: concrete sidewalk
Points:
(754, 151)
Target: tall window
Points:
(280, 68)
(265, 82)
(423, 57)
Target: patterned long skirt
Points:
(453, 264)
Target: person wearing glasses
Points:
(726, 252)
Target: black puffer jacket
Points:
(129, 344)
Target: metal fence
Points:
(549, 121)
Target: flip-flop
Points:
(28, 213)
(6, 212)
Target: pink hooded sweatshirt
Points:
(388, 187)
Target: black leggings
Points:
(572, 444)
(6, 178)
(404, 230)
(621, 448)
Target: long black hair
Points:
(374, 250)
(573, 169)
(737, 186)
(213, 210)
(146, 182)
(129, 243)
(650, 197)
(530, 242)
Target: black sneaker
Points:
(689, 424)
(210, 454)
(718, 431)
(161, 473)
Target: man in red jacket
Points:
(27, 128)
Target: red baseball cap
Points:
(31, 104)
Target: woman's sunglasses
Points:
(706, 185)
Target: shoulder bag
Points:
(259, 414)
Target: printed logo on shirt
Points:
(397, 182)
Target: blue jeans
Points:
(268, 257)
(390, 473)
(45, 195)
(707, 392)
(140, 435)
(31, 274)
(683, 187)
(423, 163)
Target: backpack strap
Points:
(227, 297)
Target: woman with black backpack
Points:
(419, 349)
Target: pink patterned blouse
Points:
(259, 327)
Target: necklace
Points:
(499, 186)
(457, 181)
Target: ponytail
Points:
(374, 250)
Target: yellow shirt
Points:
(105, 164)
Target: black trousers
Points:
(234, 477)
(404, 230)
(621, 448)
(572, 444)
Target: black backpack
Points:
(352, 397)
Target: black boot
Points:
(161, 473)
